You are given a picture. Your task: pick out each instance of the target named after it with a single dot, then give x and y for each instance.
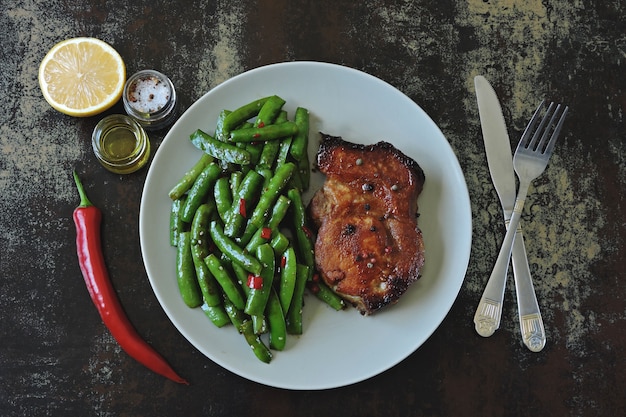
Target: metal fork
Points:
(530, 160)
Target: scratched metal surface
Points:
(57, 359)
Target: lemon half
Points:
(82, 76)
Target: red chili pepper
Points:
(255, 282)
(283, 261)
(87, 219)
(242, 207)
(266, 233)
(307, 231)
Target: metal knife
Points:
(498, 150)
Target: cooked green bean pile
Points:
(244, 252)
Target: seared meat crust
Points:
(369, 248)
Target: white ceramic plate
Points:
(337, 348)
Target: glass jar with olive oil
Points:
(120, 144)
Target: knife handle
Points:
(531, 323)
(489, 311)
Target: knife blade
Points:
(500, 162)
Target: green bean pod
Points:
(303, 233)
(209, 288)
(246, 195)
(185, 272)
(176, 223)
(237, 316)
(217, 314)
(257, 300)
(200, 228)
(269, 111)
(270, 195)
(223, 151)
(199, 191)
(220, 133)
(324, 293)
(235, 181)
(185, 183)
(231, 290)
(279, 242)
(304, 172)
(260, 134)
(288, 273)
(232, 250)
(294, 314)
(223, 198)
(276, 322)
(243, 113)
(254, 341)
(300, 141)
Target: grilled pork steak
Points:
(369, 248)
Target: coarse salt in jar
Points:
(150, 98)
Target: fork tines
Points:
(549, 125)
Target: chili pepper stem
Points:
(84, 201)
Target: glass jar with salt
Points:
(150, 98)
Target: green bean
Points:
(279, 242)
(324, 293)
(185, 272)
(199, 191)
(220, 133)
(294, 314)
(269, 153)
(287, 278)
(254, 149)
(235, 181)
(200, 228)
(237, 316)
(305, 245)
(276, 322)
(258, 239)
(247, 193)
(278, 213)
(257, 300)
(231, 290)
(176, 223)
(223, 197)
(283, 151)
(254, 341)
(242, 277)
(266, 173)
(270, 195)
(185, 183)
(269, 111)
(217, 314)
(243, 113)
(269, 132)
(220, 150)
(301, 139)
(232, 250)
(209, 288)
(259, 324)
(304, 171)
(281, 207)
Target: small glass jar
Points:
(150, 98)
(120, 144)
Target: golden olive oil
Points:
(120, 144)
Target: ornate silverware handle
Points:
(531, 323)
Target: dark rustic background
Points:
(57, 359)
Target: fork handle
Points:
(531, 323)
(489, 311)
